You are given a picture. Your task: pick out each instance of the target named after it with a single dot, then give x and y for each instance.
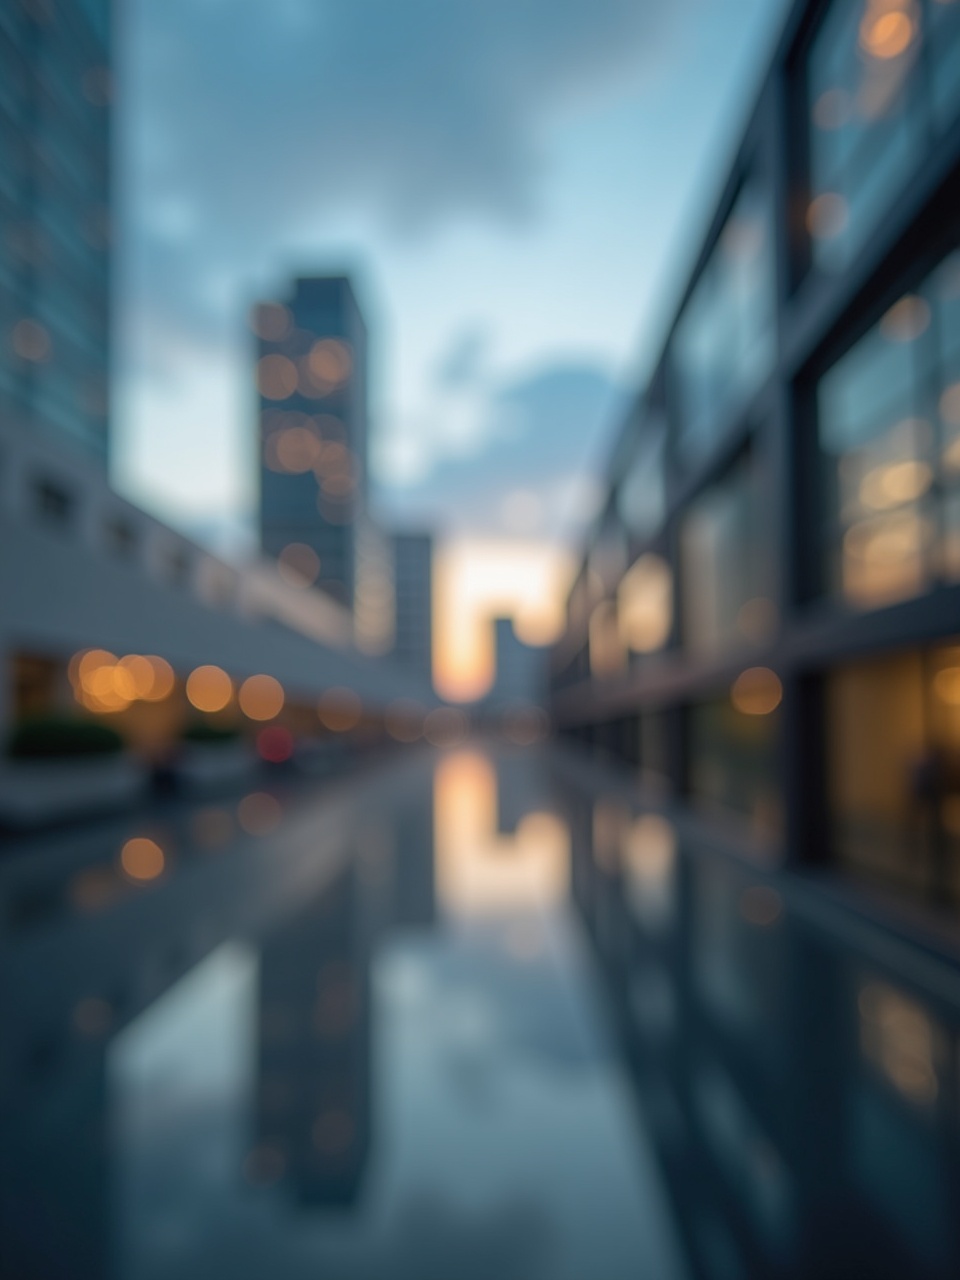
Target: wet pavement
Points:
(474, 1013)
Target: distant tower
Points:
(413, 602)
(55, 218)
(312, 379)
(521, 669)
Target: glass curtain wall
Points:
(883, 80)
(889, 428)
(725, 340)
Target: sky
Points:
(517, 187)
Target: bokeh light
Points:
(756, 692)
(209, 688)
(298, 565)
(142, 859)
(340, 709)
(261, 697)
(275, 744)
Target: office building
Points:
(765, 632)
(767, 617)
(312, 382)
(55, 219)
(413, 602)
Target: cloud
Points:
(544, 440)
(255, 118)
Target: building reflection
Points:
(801, 1088)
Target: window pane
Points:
(890, 439)
(641, 500)
(894, 769)
(867, 119)
(724, 343)
(725, 561)
(732, 762)
(645, 605)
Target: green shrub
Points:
(203, 731)
(61, 738)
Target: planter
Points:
(209, 766)
(34, 793)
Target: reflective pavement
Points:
(466, 1014)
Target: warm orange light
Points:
(946, 685)
(163, 679)
(276, 377)
(142, 859)
(297, 449)
(209, 688)
(756, 692)
(261, 697)
(136, 673)
(340, 709)
(330, 361)
(886, 32)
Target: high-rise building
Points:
(413, 601)
(312, 380)
(520, 678)
(54, 217)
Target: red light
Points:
(275, 744)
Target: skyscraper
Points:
(413, 601)
(312, 380)
(54, 217)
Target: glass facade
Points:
(894, 769)
(645, 604)
(732, 761)
(883, 79)
(725, 341)
(54, 223)
(311, 375)
(641, 495)
(889, 415)
(725, 562)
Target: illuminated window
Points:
(645, 604)
(889, 415)
(893, 736)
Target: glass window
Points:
(732, 761)
(641, 496)
(724, 344)
(945, 46)
(894, 769)
(725, 563)
(607, 654)
(890, 439)
(645, 604)
(874, 109)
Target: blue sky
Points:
(518, 186)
